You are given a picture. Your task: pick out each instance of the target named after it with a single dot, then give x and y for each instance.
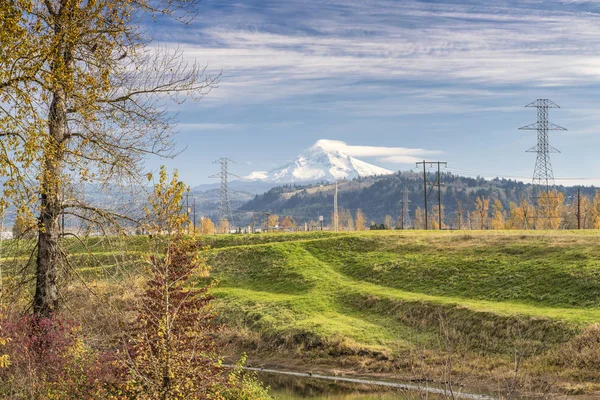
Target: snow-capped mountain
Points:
(320, 163)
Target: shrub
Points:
(171, 351)
(47, 359)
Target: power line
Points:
(506, 176)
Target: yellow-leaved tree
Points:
(435, 218)
(171, 350)
(360, 221)
(84, 99)
(522, 214)
(388, 222)
(584, 208)
(224, 226)
(287, 223)
(482, 207)
(207, 227)
(419, 219)
(497, 215)
(272, 222)
(25, 225)
(595, 212)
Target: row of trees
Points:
(488, 213)
(550, 212)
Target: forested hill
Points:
(381, 196)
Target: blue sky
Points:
(446, 76)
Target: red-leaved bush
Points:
(47, 359)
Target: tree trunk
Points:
(48, 258)
(45, 301)
(47, 262)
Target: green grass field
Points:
(535, 275)
(380, 295)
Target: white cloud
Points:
(500, 43)
(396, 155)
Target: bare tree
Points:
(83, 98)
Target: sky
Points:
(391, 81)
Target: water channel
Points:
(286, 385)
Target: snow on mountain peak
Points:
(323, 161)
(326, 145)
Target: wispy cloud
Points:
(458, 72)
(396, 155)
(292, 49)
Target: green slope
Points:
(381, 295)
(378, 291)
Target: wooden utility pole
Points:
(424, 190)
(579, 208)
(187, 208)
(336, 217)
(267, 220)
(439, 198)
(438, 184)
(459, 214)
(194, 199)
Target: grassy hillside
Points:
(396, 302)
(375, 297)
(537, 274)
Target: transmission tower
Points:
(543, 176)
(405, 211)
(336, 218)
(224, 211)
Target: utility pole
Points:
(579, 207)
(224, 211)
(439, 198)
(405, 218)
(459, 214)
(425, 192)
(187, 208)
(335, 208)
(267, 220)
(194, 199)
(321, 221)
(439, 188)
